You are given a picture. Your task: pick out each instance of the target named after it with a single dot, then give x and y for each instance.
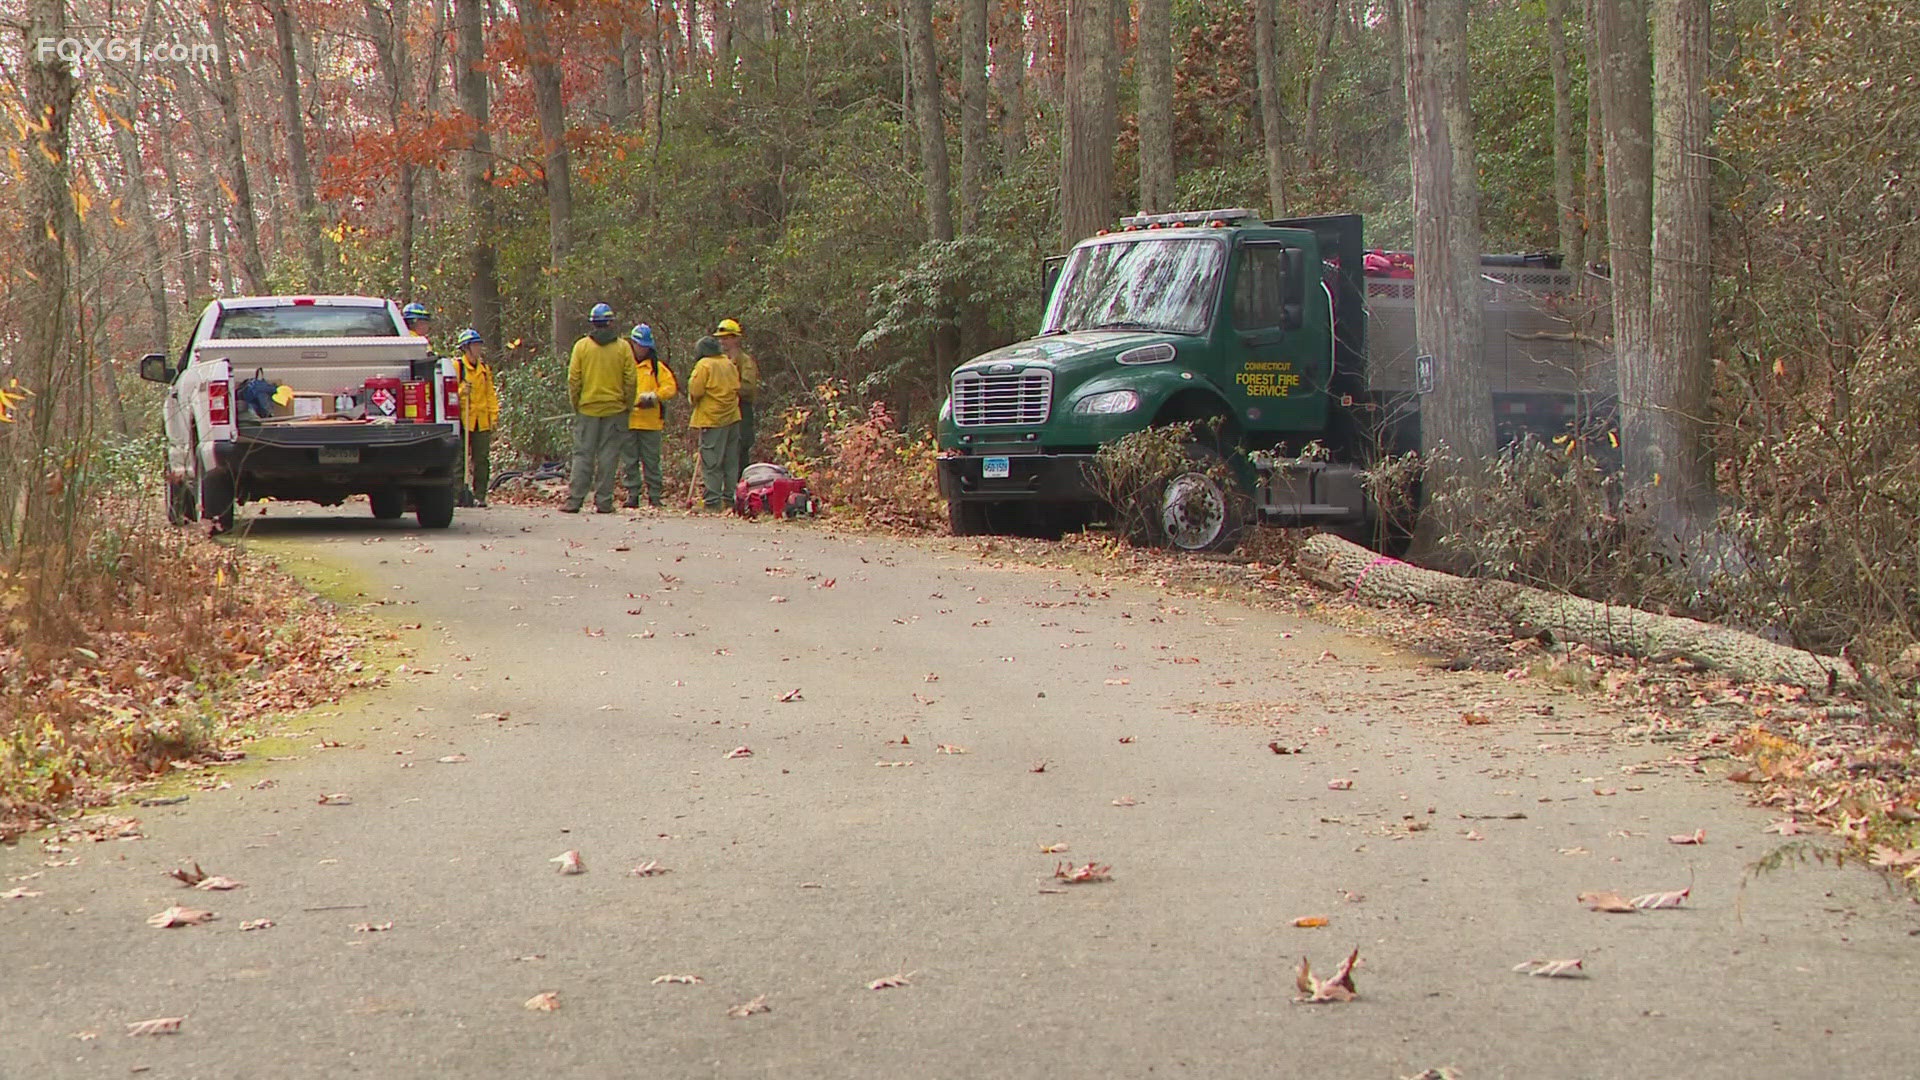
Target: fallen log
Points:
(1329, 561)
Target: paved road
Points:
(631, 654)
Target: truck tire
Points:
(388, 503)
(1199, 508)
(214, 494)
(965, 518)
(433, 506)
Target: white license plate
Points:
(996, 468)
(339, 455)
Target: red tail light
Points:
(219, 402)
(450, 396)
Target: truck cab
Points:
(1215, 316)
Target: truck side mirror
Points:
(1050, 268)
(1293, 306)
(153, 368)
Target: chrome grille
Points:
(981, 399)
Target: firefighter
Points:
(642, 449)
(417, 319)
(713, 387)
(728, 333)
(479, 414)
(601, 386)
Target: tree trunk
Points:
(1625, 88)
(1569, 215)
(1317, 80)
(1154, 65)
(1456, 418)
(1266, 71)
(139, 198)
(389, 27)
(1679, 377)
(1337, 564)
(226, 91)
(1592, 190)
(934, 168)
(194, 272)
(1010, 83)
(543, 70)
(299, 164)
(1087, 129)
(477, 169)
(973, 112)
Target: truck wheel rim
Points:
(1194, 511)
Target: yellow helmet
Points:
(728, 328)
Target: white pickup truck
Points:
(371, 410)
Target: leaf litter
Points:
(159, 1025)
(548, 1001)
(748, 1008)
(179, 916)
(570, 862)
(1339, 987)
(1082, 875)
(1552, 969)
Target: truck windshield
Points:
(1144, 284)
(305, 321)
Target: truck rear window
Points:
(305, 321)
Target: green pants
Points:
(719, 463)
(641, 450)
(479, 463)
(596, 457)
(748, 431)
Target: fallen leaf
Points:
(892, 764)
(159, 1025)
(740, 751)
(1126, 800)
(179, 916)
(1747, 776)
(257, 924)
(1473, 719)
(19, 892)
(748, 1008)
(778, 599)
(1340, 784)
(496, 716)
(569, 862)
(1278, 748)
(684, 980)
(1656, 900)
(1125, 739)
(1576, 850)
(591, 631)
(262, 785)
(1697, 836)
(1052, 849)
(372, 927)
(188, 877)
(217, 883)
(949, 748)
(338, 798)
(451, 759)
(1607, 901)
(84, 1036)
(892, 981)
(1551, 969)
(1082, 875)
(1606, 791)
(792, 695)
(1326, 655)
(1321, 991)
(546, 1002)
(1470, 834)
(1039, 766)
(649, 868)
(1786, 827)
(1308, 922)
(1119, 682)
(931, 677)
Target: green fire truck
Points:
(1276, 336)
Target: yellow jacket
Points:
(655, 377)
(479, 401)
(714, 389)
(600, 376)
(749, 376)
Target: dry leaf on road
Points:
(18, 892)
(1308, 922)
(1551, 969)
(338, 798)
(159, 1025)
(257, 924)
(648, 869)
(1341, 784)
(1320, 991)
(216, 883)
(685, 980)
(1608, 902)
(179, 916)
(1126, 800)
(740, 751)
(1281, 748)
(792, 695)
(1473, 719)
(1697, 836)
(1082, 875)
(1052, 849)
(546, 1002)
(892, 981)
(451, 759)
(569, 862)
(1656, 900)
(372, 927)
(748, 1008)
(1039, 766)
(1786, 827)
(949, 748)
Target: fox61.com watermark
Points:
(75, 50)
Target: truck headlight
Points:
(1108, 403)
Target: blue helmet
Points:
(601, 313)
(467, 337)
(642, 335)
(415, 313)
